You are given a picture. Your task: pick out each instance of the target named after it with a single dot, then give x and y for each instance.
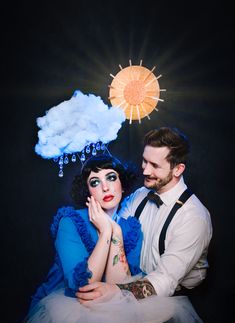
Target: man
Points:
(177, 258)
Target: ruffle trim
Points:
(81, 226)
(84, 234)
(134, 269)
(81, 275)
(133, 234)
(66, 211)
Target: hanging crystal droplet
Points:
(55, 159)
(66, 160)
(83, 158)
(61, 160)
(103, 146)
(98, 146)
(93, 150)
(61, 174)
(73, 159)
(88, 150)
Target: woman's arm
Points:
(98, 259)
(117, 268)
(80, 266)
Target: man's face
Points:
(156, 169)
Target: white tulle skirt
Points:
(120, 308)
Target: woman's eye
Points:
(111, 177)
(94, 182)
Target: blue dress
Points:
(55, 301)
(75, 238)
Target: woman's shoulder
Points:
(67, 215)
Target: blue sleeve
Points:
(73, 256)
(133, 238)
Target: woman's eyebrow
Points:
(112, 172)
(94, 177)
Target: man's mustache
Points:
(149, 177)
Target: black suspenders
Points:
(182, 199)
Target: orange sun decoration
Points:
(136, 90)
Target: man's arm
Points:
(140, 288)
(104, 291)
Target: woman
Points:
(90, 247)
(88, 241)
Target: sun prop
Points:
(136, 90)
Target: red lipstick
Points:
(108, 198)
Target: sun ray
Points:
(120, 104)
(150, 72)
(143, 108)
(117, 80)
(154, 98)
(131, 114)
(150, 82)
(125, 106)
(138, 113)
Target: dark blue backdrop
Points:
(50, 50)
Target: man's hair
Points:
(171, 138)
(127, 175)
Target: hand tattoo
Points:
(140, 288)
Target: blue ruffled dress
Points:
(55, 301)
(75, 238)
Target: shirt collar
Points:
(174, 193)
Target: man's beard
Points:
(158, 183)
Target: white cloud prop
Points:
(75, 123)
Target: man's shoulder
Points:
(196, 208)
(139, 194)
(132, 201)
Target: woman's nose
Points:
(105, 187)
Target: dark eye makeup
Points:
(111, 177)
(95, 181)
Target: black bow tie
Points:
(154, 198)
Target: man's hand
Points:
(96, 291)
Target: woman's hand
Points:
(97, 216)
(116, 229)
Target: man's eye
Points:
(94, 182)
(111, 177)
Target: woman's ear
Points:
(178, 170)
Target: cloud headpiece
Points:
(80, 126)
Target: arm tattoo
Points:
(140, 288)
(120, 256)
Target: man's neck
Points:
(169, 186)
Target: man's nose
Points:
(147, 169)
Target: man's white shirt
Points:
(184, 261)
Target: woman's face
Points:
(106, 188)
